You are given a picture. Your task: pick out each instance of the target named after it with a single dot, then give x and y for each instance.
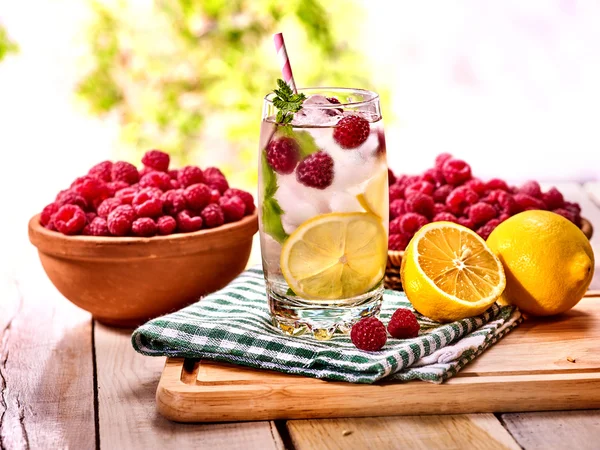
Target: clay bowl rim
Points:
(119, 248)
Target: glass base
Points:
(295, 316)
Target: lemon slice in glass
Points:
(374, 199)
(335, 256)
(449, 273)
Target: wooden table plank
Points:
(127, 412)
(46, 373)
(482, 431)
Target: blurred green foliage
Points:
(189, 76)
(6, 44)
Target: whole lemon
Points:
(548, 262)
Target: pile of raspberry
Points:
(449, 192)
(117, 199)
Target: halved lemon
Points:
(335, 256)
(449, 273)
(374, 199)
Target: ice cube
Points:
(270, 251)
(344, 202)
(310, 115)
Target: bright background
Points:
(512, 87)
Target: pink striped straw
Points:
(284, 62)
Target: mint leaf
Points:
(271, 211)
(286, 102)
(305, 140)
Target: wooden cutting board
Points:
(544, 364)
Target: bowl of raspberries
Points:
(129, 244)
(449, 192)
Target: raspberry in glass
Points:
(157, 160)
(456, 171)
(189, 175)
(212, 216)
(369, 334)
(351, 131)
(144, 227)
(187, 221)
(403, 324)
(120, 220)
(69, 220)
(283, 155)
(124, 171)
(316, 170)
(166, 225)
(197, 196)
(233, 208)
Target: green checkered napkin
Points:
(233, 325)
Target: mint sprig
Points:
(287, 102)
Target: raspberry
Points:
(89, 216)
(215, 179)
(190, 175)
(553, 198)
(114, 186)
(144, 227)
(233, 208)
(477, 185)
(403, 324)
(157, 160)
(397, 208)
(245, 196)
(215, 195)
(481, 213)
(441, 159)
(503, 217)
(97, 227)
(420, 203)
(460, 198)
(102, 171)
(504, 200)
(487, 229)
(435, 177)
(335, 101)
(445, 217)
(394, 225)
(90, 188)
(456, 171)
(175, 184)
(420, 186)
(47, 213)
(283, 155)
(212, 216)
(381, 146)
(391, 177)
(526, 202)
(441, 194)
(573, 207)
(173, 201)
(398, 241)
(497, 184)
(368, 334)
(411, 222)
(69, 197)
(466, 222)
(197, 196)
(69, 219)
(316, 170)
(531, 188)
(396, 192)
(156, 179)
(120, 220)
(108, 205)
(351, 131)
(188, 222)
(174, 174)
(166, 225)
(123, 171)
(439, 208)
(146, 204)
(144, 171)
(566, 214)
(126, 195)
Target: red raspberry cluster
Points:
(117, 199)
(370, 333)
(449, 192)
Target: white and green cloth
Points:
(233, 325)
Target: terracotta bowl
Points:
(125, 281)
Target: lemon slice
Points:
(335, 256)
(449, 273)
(375, 197)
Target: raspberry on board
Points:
(410, 223)
(481, 213)
(233, 208)
(445, 217)
(398, 241)
(156, 179)
(403, 324)
(316, 170)
(283, 155)
(124, 171)
(497, 184)
(47, 213)
(460, 198)
(115, 186)
(173, 201)
(245, 196)
(197, 196)
(487, 229)
(212, 216)
(396, 192)
(441, 194)
(435, 177)
(456, 171)
(394, 225)
(351, 131)
(531, 188)
(102, 171)
(69, 220)
(189, 175)
(526, 202)
(166, 225)
(126, 195)
(120, 220)
(420, 203)
(441, 159)
(146, 204)
(157, 160)
(108, 205)
(187, 221)
(424, 187)
(466, 222)
(214, 178)
(369, 334)
(439, 208)
(97, 227)
(144, 227)
(553, 198)
(397, 208)
(477, 185)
